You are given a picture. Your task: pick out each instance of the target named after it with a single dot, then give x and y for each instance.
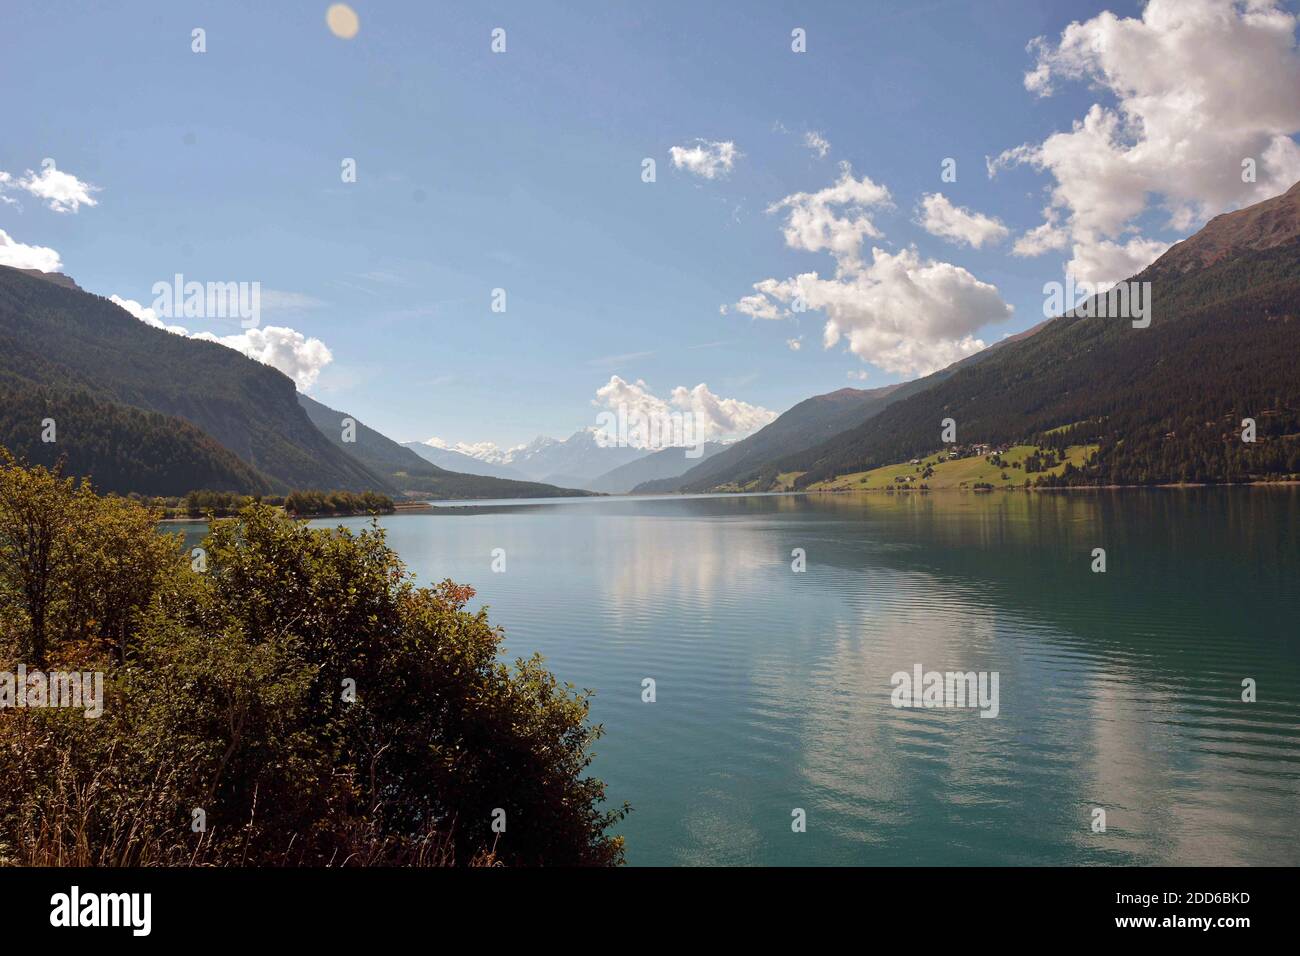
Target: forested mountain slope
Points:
(64, 340)
(120, 448)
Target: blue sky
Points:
(522, 171)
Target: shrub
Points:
(228, 692)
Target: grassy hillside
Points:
(939, 472)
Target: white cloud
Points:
(817, 143)
(941, 218)
(1050, 235)
(759, 306)
(19, 256)
(814, 222)
(901, 313)
(795, 344)
(294, 354)
(1199, 86)
(62, 192)
(1101, 261)
(712, 417)
(707, 159)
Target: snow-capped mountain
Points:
(575, 460)
(454, 459)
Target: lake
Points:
(1119, 690)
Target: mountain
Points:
(120, 448)
(60, 341)
(410, 474)
(1265, 225)
(453, 460)
(575, 461)
(58, 278)
(1164, 403)
(802, 426)
(665, 463)
(757, 460)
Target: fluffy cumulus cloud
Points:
(1049, 236)
(1111, 262)
(1199, 88)
(939, 217)
(898, 311)
(834, 219)
(710, 417)
(706, 159)
(17, 255)
(296, 355)
(62, 192)
(902, 313)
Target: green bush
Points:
(228, 692)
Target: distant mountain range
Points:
(408, 472)
(1164, 403)
(454, 460)
(577, 461)
(666, 463)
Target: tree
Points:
(118, 561)
(37, 509)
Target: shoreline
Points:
(425, 507)
(1067, 488)
(407, 507)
